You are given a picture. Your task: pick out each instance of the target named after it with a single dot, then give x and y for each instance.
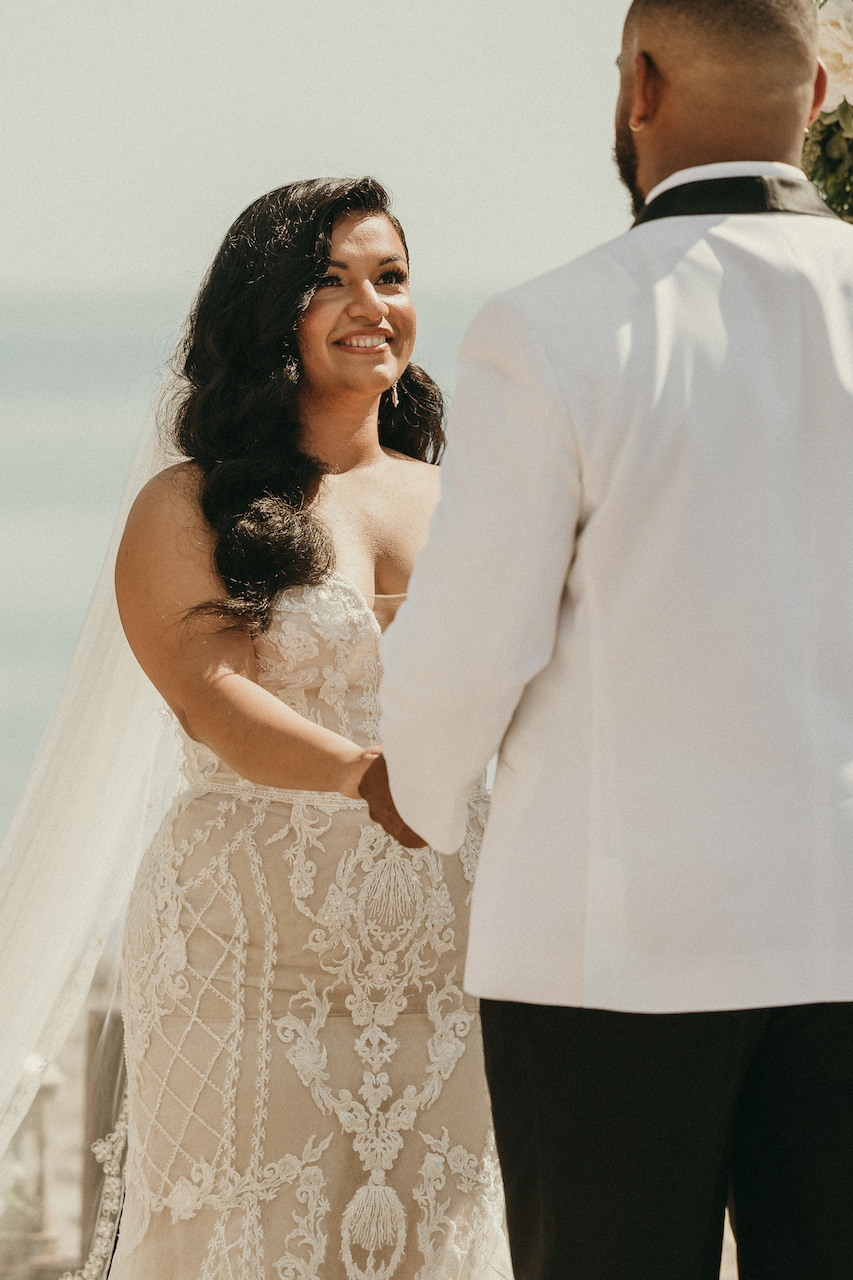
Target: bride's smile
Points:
(366, 341)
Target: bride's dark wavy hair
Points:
(235, 411)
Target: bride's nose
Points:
(367, 304)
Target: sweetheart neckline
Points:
(355, 590)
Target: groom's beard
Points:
(625, 155)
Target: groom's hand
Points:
(375, 790)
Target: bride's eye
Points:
(397, 275)
(328, 281)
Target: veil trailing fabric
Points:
(105, 773)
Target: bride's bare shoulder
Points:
(166, 520)
(178, 485)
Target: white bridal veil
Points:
(103, 776)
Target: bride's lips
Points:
(365, 342)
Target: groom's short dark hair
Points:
(787, 25)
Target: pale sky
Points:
(135, 132)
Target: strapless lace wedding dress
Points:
(305, 1076)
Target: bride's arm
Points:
(206, 674)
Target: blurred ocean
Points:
(78, 379)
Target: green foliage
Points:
(828, 158)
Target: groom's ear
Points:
(819, 92)
(647, 91)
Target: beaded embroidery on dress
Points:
(307, 1098)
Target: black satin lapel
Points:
(737, 195)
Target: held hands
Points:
(375, 790)
(353, 769)
(365, 777)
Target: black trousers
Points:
(622, 1135)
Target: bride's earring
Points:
(395, 399)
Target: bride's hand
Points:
(375, 790)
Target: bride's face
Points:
(358, 332)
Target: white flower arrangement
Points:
(835, 24)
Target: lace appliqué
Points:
(109, 1152)
(471, 1242)
(381, 929)
(340, 688)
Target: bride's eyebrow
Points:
(344, 266)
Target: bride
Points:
(306, 1095)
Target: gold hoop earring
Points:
(635, 128)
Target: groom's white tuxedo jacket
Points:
(638, 587)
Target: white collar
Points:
(728, 169)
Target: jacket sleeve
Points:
(481, 617)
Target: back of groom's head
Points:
(704, 81)
(786, 30)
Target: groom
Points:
(638, 588)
